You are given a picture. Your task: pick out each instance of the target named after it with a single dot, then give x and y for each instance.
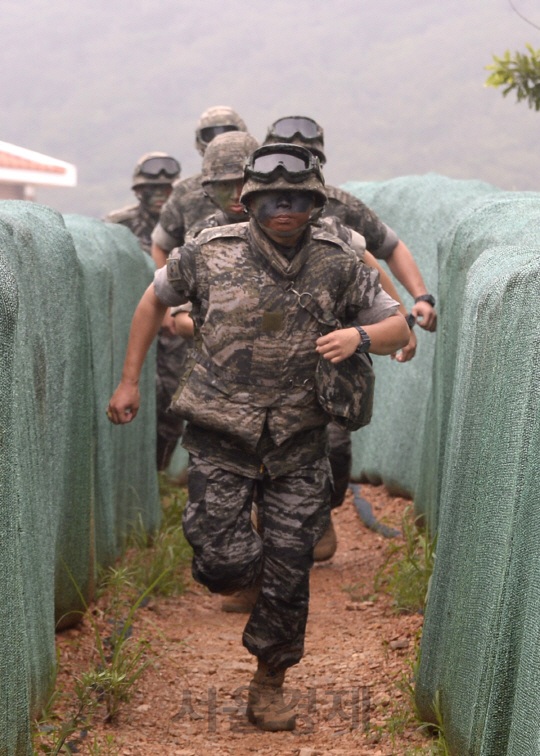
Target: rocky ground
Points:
(348, 688)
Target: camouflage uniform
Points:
(380, 239)
(139, 220)
(339, 440)
(254, 419)
(187, 204)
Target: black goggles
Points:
(210, 132)
(296, 163)
(289, 127)
(153, 167)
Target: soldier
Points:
(152, 183)
(250, 399)
(153, 178)
(384, 244)
(189, 203)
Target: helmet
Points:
(214, 121)
(155, 168)
(298, 130)
(283, 166)
(226, 155)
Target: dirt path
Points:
(356, 651)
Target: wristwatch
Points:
(429, 298)
(365, 341)
(411, 320)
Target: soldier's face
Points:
(154, 196)
(226, 194)
(283, 214)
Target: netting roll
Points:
(116, 273)
(420, 209)
(46, 450)
(480, 646)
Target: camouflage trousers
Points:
(340, 455)
(228, 554)
(171, 360)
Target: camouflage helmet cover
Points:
(226, 155)
(314, 144)
(219, 115)
(140, 180)
(312, 182)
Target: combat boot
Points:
(326, 548)
(266, 707)
(241, 602)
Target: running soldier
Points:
(153, 179)
(189, 203)
(249, 396)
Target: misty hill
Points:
(397, 86)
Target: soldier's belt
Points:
(301, 380)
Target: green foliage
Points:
(520, 72)
(408, 567)
(164, 554)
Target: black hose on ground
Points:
(365, 511)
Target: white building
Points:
(22, 170)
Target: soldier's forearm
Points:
(388, 335)
(404, 268)
(144, 327)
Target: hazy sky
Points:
(397, 85)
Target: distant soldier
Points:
(153, 178)
(189, 202)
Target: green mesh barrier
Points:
(480, 648)
(46, 457)
(420, 209)
(504, 218)
(116, 273)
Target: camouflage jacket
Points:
(139, 221)
(380, 239)
(255, 363)
(187, 205)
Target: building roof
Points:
(21, 166)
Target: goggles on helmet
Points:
(154, 166)
(210, 132)
(292, 126)
(290, 160)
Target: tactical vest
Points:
(256, 355)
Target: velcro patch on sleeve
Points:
(173, 269)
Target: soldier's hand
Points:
(338, 345)
(124, 404)
(408, 352)
(425, 315)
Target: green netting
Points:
(505, 218)
(70, 483)
(46, 481)
(420, 209)
(480, 648)
(116, 272)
